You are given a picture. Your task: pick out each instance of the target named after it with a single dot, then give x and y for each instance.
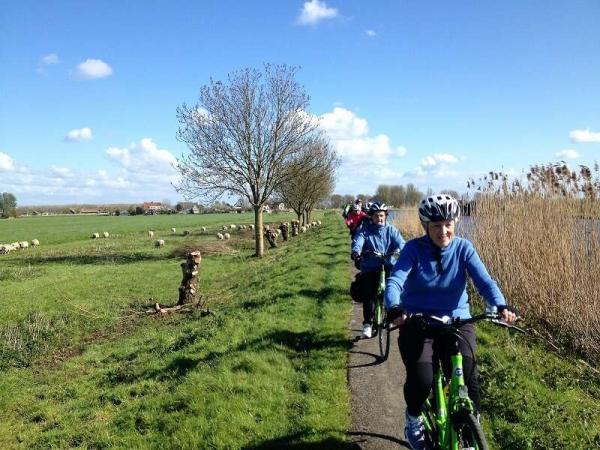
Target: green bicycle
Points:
(449, 414)
(381, 326)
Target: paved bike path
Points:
(377, 402)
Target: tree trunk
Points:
(258, 230)
(189, 283)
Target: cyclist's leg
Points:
(467, 349)
(416, 351)
(370, 282)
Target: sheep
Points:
(225, 228)
(159, 242)
(313, 224)
(5, 249)
(227, 236)
(186, 232)
(105, 234)
(303, 229)
(23, 244)
(173, 230)
(204, 229)
(233, 226)
(95, 235)
(35, 242)
(319, 222)
(278, 231)
(220, 236)
(150, 234)
(251, 226)
(267, 227)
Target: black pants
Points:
(369, 286)
(417, 348)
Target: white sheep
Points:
(313, 224)
(225, 228)
(302, 229)
(227, 236)
(278, 231)
(5, 249)
(95, 235)
(233, 226)
(173, 230)
(23, 244)
(105, 234)
(150, 234)
(319, 222)
(251, 226)
(204, 229)
(159, 243)
(35, 242)
(220, 236)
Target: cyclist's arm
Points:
(395, 282)
(358, 241)
(485, 284)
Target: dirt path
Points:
(376, 391)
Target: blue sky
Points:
(425, 92)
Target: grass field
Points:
(82, 369)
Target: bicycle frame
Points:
(456, 400)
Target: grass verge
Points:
(267, 370)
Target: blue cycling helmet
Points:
(435, 208)
(376, 207)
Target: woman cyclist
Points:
(430, 277)
(355, 217)
(374, 237)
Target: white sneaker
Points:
(367, 331)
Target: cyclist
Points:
(430, 277)
(375, 236)
(355, 217)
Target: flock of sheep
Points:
(7, 248)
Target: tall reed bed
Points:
(541, 240)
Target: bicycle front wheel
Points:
(469, 433)
(384, 339)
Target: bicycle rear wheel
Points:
(469, 433)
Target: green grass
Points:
(268, 369)
(533, 398)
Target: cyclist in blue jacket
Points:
(430, 277)
(374, 237)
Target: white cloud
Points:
(143, 157)
(568, 154)
(314, 12)
(586, 135)
(79, 135)
(6, 163)
(437, 159)
(61, 172)
(49, 59)
(343, 124)
(92, 68)
(370, 33)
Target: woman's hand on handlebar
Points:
(397, 315)
(508, 314)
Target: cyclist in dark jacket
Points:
(430, 277)
(374, 237)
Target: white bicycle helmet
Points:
(376, 207)
(434, 208)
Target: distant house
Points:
(194, 210)
(152, 207)
(89, 211)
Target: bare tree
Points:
(311, 178)
(241, 134)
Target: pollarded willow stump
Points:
(284, 231)
(271, 236)
(189, 283)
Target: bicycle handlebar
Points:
(456, 323)
(379, 254)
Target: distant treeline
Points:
(395, 195)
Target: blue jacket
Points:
(418, 286)
(383, 239)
